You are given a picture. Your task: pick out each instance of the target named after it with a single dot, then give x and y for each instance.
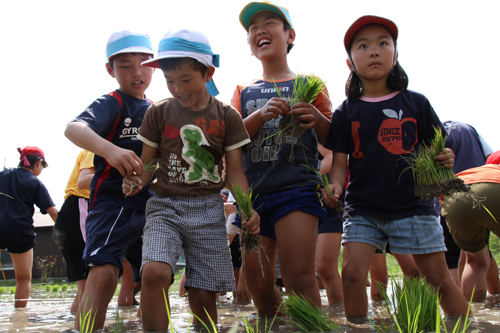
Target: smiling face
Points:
(133, 78)
(372, 52)
(267, 36)
(188, 85)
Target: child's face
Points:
(133, 78)
(372, 52)
(188, 86)
(267, 36)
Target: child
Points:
(188, 135)
(378, 127)
(108, 128)
(291, 207)
(20, 189)
(69, 230)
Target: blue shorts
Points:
(17, 243)
(112, 234)
(332, 223)
(417, 234)
(274, 206)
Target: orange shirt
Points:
(489, 173)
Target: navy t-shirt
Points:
(116, 117)
(380, 135)
(21, 191)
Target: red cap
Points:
(31, 151)
(365, 20)
(494, 158)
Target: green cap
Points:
(253, 8)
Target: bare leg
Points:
(183, 291)
(99, 289)
(23, 263)
(297, 268)
(492, 278)
(78, 298)
(474, 276)
(156, 279)
(379, 276)
(407, 264)
(355, 266)
(203, 306)
(241, 294)
(433, 267)
(126, 295)
(327, 265)
(262, 287)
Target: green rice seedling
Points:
(412, 307)
(325, 182)
(48, 287)
(456, 328)
(87, 321)
(433, 180)
(64, 287)
(118, 321)
(267, 329)
(305, 316)
(55, 288)
(6, 195)
(2, 290)
(12, 290)
(305, 89)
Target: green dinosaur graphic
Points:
(202, 163)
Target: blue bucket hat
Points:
(127, 42)
(185, 43)
(253, 8)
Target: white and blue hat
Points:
(185, 43)
(127, 42)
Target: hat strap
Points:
(181, 44)
(128, 41)
(24, 159)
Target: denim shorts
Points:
(417, 234)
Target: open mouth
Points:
(263, 42)
(136, 83)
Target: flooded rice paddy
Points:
(49, 312)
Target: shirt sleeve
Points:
(101, 115)
(88, 161)
(149, 132)
(323, 103)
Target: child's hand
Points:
(253, 224)
(125, 161)
(446, 158)
(131, 185)
(308, 114)
(275, 107)
(328, 198)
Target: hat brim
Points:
(155, 61)
(132, 49)
(365, 20)
(253, 8)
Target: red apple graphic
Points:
(390, 134)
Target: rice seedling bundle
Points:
(305, 89)
(251, 243)
(433, 180)
(306, 317)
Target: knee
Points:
(156, 273)
(352, 278)
(327, 270)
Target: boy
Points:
(108, 128)
(188, 135)
(292, 209)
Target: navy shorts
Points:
(332, 223)
(69, 238)
(272, 207)
(112, 234)
(17, 243)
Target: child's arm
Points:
(148, 155)
(52, 211)
(313, 119)
(337, 176)
(446, 158)
(275, 107)
(124, 160)
(236, 176)
(85, 178)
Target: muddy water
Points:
(49, 312)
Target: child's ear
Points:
(110, 70)
(210, 72)
(291, 36)
(348, 63)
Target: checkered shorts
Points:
(197, 224)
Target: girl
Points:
(20, 189)
(379, 126)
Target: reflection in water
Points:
(50, 313)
